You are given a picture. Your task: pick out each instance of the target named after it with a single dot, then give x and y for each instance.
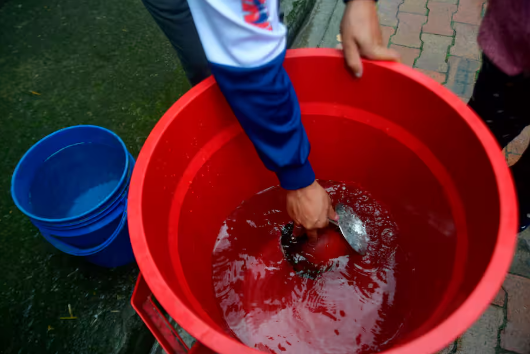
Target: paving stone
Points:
(481, 338)
(448, 350)
(466, 41)
(386, 32)
(414, 6)
(449, 1)
(408, 32)
(513, 152)
(461, 76)
(387, 11)
(317, 24)
(295, 14)
(329, 39)
(469, 11)
(434, 52)
(408, 55)
(525, 235)
(436, 76)
(516, 336)
(499, 298)
(439, 21)
(521, 259)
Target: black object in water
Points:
(294, 252)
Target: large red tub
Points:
(407, 140)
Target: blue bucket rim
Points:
(52, 135)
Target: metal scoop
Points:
(352, 228)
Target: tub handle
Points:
(164, 332)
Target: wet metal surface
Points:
(352, 228)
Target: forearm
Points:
(246, 51)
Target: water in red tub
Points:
(348, 306)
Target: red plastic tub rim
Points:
(438, 337)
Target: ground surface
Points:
(62, 63)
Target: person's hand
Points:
(310, 207)
(361, 36)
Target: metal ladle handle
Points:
(331, 221)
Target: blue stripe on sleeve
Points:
(265, 103)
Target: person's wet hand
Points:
(310, 207)
(361, 36)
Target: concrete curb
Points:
(322, 26)
(295, 14)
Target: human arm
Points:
(245, 44)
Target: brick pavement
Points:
(438, 37)
(504, 327)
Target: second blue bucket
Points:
(73, 185)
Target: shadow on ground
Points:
(64, 63)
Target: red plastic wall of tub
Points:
(411, 143)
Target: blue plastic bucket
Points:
(115, 251)
(73, 186)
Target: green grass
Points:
(87, 62)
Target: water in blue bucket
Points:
(73, 185)
(75, 180)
